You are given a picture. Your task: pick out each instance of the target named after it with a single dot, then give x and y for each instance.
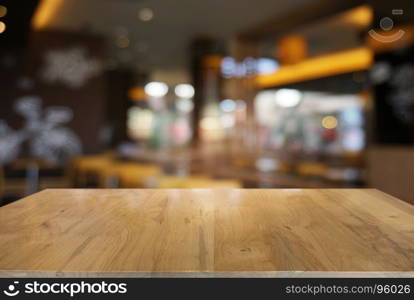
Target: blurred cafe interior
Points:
(206, 94)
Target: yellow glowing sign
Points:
(360, 16)
(45, 13)
(317, 67)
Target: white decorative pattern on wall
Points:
(71, 67)
(47, 138)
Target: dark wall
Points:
(392, 79)
(88, 100)
(119, 81)
(13, 47)
(22, 73)
(200, 48)
(17, 22)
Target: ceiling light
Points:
(228, 105)
(2, 27)
(156, 89)
(145, 14)
(266, 66)
(184, 90)
(288, 97)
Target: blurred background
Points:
(206, 94)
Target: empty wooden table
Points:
(207, 233)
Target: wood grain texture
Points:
(207, 233)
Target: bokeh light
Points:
(228, 105)
(156, 89)
(145, 14)
(184, 105)
(288, 97)
(184, 90)
(3, 11)
(2, 27)
(329, 122)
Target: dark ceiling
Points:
(163, 42)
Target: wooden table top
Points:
(203, 233)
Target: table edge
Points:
(207, 274)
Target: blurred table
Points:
(207, 233)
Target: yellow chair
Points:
(312, 169)
(193, 182)
(169, 182)
(129, 174)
